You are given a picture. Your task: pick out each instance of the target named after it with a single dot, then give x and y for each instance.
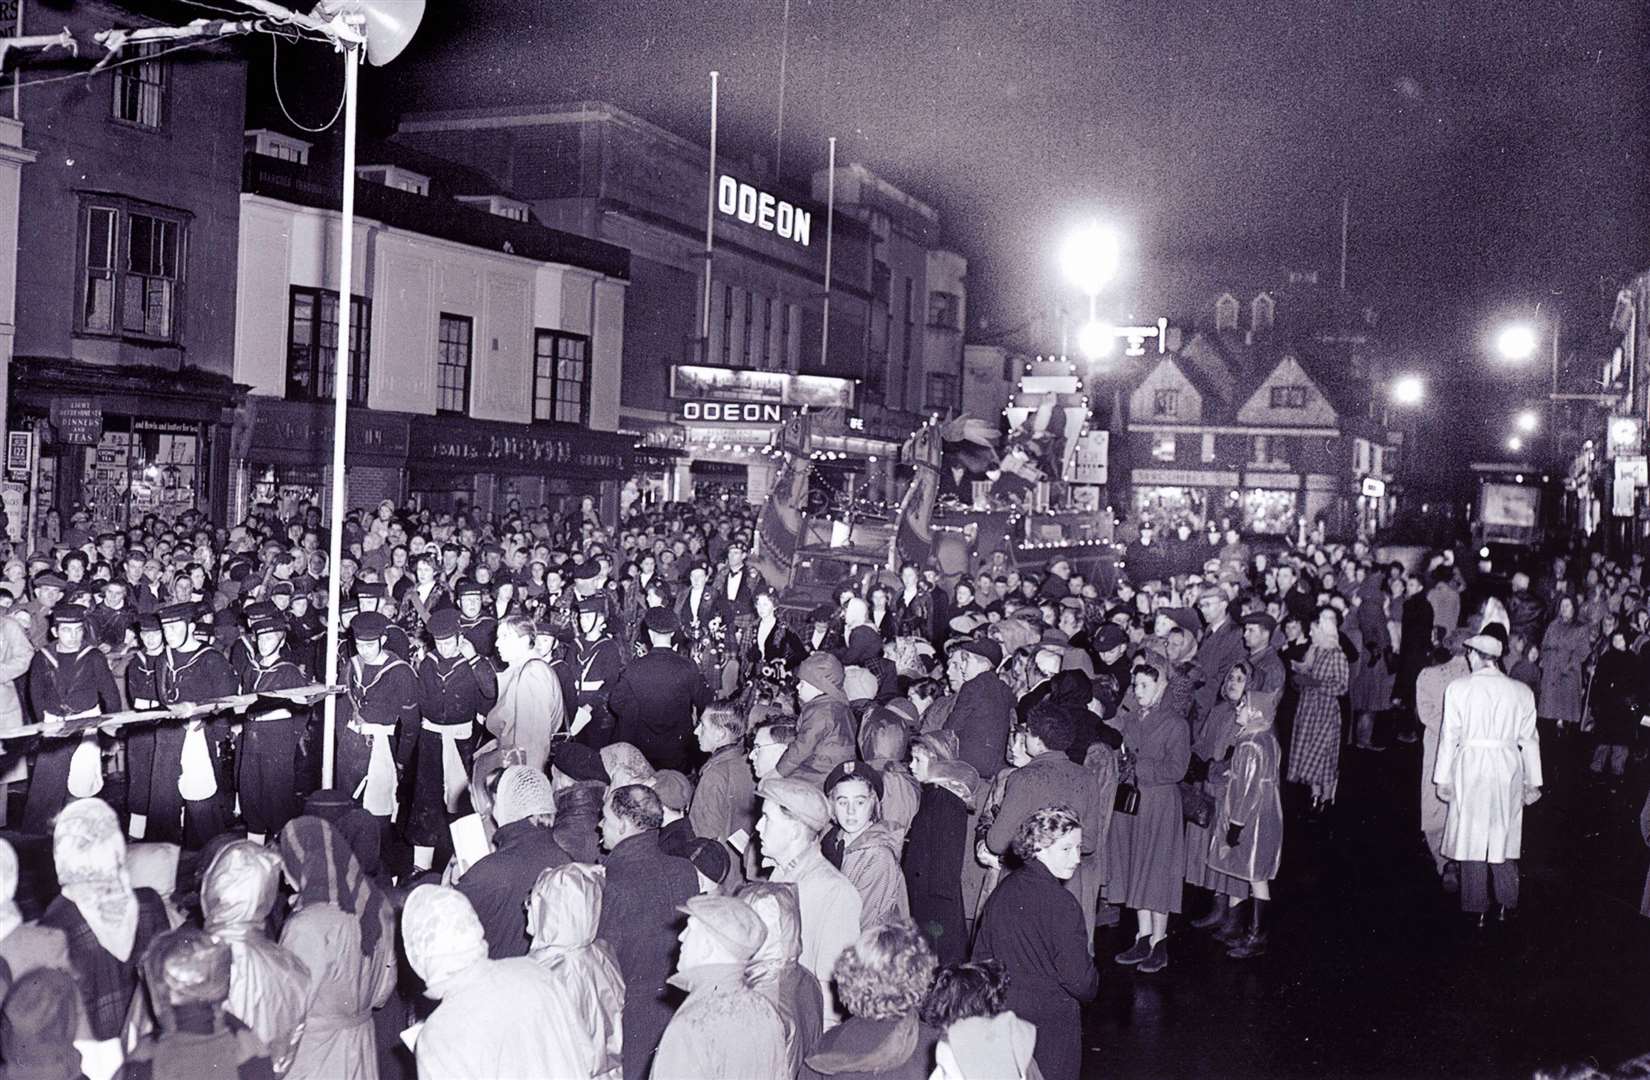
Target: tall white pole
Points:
(340, 411)
(1346, 214)
(830, 216)
(784, 55)
(710, 221)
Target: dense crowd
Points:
(601, 807)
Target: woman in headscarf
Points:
(269, 987)
(938, 842)
(343, 929)
(882, 980)
(187, 975)
(108, 923)
(562, 912)
(37, 1027)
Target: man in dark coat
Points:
(639, 920)
(1219, 649)
(523, 847)
(984, 705)
(654, 700)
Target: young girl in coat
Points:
(1246, 842)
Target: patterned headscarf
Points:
(90, 854)
(442, 934)
(323, 870)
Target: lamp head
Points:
(388, 24)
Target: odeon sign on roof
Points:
(753, 207)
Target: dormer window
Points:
(501, 205)
(1261, 311)
(276, 145)
(1226, 312)
(1288, 397)
(395, 177)
(1166, 403)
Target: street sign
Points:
(77, 420)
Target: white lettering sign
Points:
(763, 210)
(731, 412)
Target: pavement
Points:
(1372, 970)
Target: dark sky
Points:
(1493, 152)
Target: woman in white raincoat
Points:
(1489, 769)
(562, 912)
(269, 987)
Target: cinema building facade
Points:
(594, 170)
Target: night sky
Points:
(1493, 153)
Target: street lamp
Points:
(1527, 421)
(1409, 390)
(1517, 342)
(1514, 443)
(1089, 259)
(1096, 339)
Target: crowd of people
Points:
(600, 806)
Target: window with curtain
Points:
(561, 377)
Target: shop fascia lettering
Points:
(523, 450)
(753, 207)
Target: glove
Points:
(1234, 832)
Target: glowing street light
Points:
(1517, 342)
(1514, 443)
(1096, 339)
(1090, 258)
(1409, 390)
(1527, 421)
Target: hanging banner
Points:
(779, 528)
(913, 536)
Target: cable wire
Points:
(275, 77)
(117, 64)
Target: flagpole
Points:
(830, 214)
(710, 221)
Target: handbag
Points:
(1127, 799)
(1197, 807)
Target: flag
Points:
(913, 538)
(779, 527)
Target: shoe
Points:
(1506, 916)
(1478, 921)
(1249, 946)
(1158, 959)
(1215, 917)
(1136, 953)
(1232, 928)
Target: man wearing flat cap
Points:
(794, 816)
(1219, 646)
(984, 707)
(655, 699)
(724, 1027)
(1488, 770)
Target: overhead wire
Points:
(111, 66)
(275, 77)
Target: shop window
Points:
(140, 88)
(132, 271)
(1166, 403)
(142, 467)
(561, 377)
(312, 346)
(1288, 397)
(452, 364)
(1271, 513)
(942, 391)
(1162, 446)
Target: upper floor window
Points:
(1288, 397)
(944, 310)
(276, 145)
(1163, 447)
(561, 377)
(942, 391)
(1261, 311)
(132, 270)
(1166, 403)
(140, 88)
(498, 205)
(1226, 312)
(312, 346)
(396, 177)
(452, 364)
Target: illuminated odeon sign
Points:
(735, 412)
(763, 210)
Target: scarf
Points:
(324, 870)
(90, 854)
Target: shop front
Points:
(455, 463)
(124, 444)
(1167, 498)
(288, 460)
(1270, 504)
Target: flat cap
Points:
(803, 800)
(731, 921)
